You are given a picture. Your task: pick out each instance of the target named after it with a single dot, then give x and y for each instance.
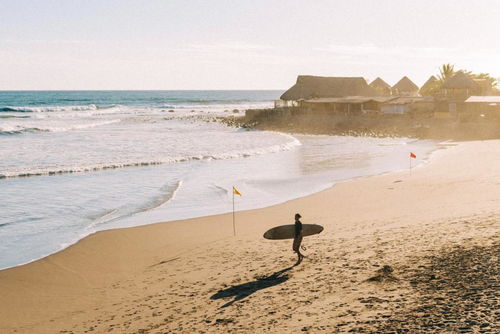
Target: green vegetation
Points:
(446, 71)
(484, 76)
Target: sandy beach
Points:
(410, 253)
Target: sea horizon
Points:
(135, 90)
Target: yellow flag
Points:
(236, 192)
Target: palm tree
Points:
(446, 71)
(485, 76)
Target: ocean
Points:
(76, 162)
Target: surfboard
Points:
(288, 231)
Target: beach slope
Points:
(396, 249)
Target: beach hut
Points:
(310, 87)
(405, 87)
(381, 87)
(460, 87)
(456, 90)
(430, 87)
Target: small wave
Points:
(15, 130)
(13, 116)
(106, 106)
(48, 109)
(166, 194)
(102, 218)
(293, 143)
(102, 214)
(19, 129)
(82, 126)
(12, 109)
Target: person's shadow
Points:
(246, 289)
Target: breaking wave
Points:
(293, 143)
(166, 194)
(19, 129)
(51, 108)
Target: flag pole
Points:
(410, 165)
(234, 227)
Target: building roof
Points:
(460, 81)
(382, 87)
(483, 99)
(428, 84)
(308, 87)
(405, 85)
(350, 99)
(379, 83)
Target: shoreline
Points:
(95, 271)
(422, 163)
(314, 188)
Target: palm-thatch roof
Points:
(405, 85)
(429, 83)
(460, 81)
(382, 87)
(379, 83)
(308, 87)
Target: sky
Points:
(223, 44)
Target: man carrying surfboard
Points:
(294, 231)
(297, 239)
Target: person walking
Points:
(297, 239)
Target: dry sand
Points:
(399, 253)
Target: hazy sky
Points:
(257, 44)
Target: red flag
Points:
(412, 155)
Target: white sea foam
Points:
(24, 127)
(167, 194)
(48, 108)
(21, 171)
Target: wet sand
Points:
(399, 253)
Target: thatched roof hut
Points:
(405, 87)
(429, 83)
(460, 81)
(308, 87)
(382, 87)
